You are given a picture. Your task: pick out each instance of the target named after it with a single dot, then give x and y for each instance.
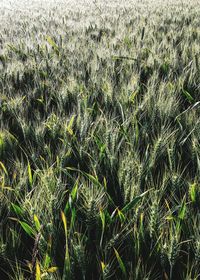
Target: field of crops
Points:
(99, 140)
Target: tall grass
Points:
(99, 140)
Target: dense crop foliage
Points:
(99, 140)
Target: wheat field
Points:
(99, 140)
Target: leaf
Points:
(131, 204)
(73, 217)
(18, 210)
(74, 190)
(192, 192)
(167, 204)
(38, 272)
(66, 273)
(102, 216)
(30, 177)
(188, 96)
(67, 206)
(47, 261)
(121, 215)
(113, 214)
(92, 179)
(37, 223)
(73, 169)
(30, 266)
(182, 210)
(104, 182)
(103, 221)
(103, 266)
(169, 218)
(53, 44)
(64, 222)
(29, 230)
(102, 150)
(3, 168)
(133, 95)
(142, 224)
(121, 264)
(70, 125)
(52, 269)
(89, 176)
(7, 188)
(13, 219)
